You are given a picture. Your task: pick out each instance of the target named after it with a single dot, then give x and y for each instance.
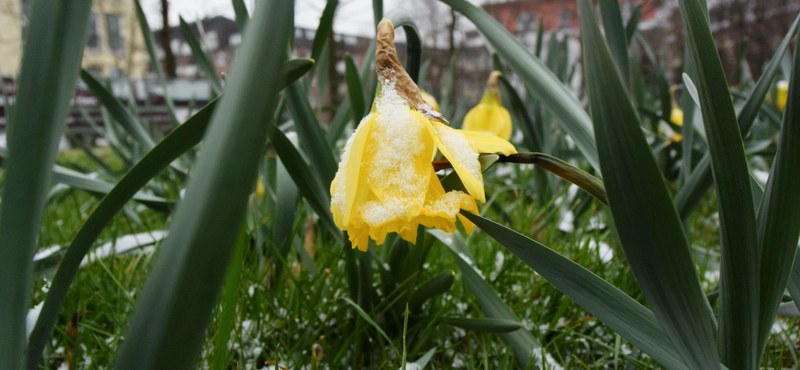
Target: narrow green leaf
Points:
(614, 308)
(543, 83)
(739, 287)
(324, 28)
(48, 72)
(118, 111)
(778, 215)
(616, 37)
(201, 57)
(371, 322)
(155, 65)
(696, 186)
(311, 134)
(645, 217)
(354, 88)
(520, 115)
(401, 18)
(436, 285)
(496, 326)
(240, 12)
(308, 182)
(633, 22)
(169, 324)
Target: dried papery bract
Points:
(390, 69)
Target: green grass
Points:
(290, 317)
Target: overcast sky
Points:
(353, 17)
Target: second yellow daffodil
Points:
(489, 115)
(386, 182)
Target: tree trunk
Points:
(166, 35)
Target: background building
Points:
(114, 44)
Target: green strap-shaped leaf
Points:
(310, 185)
(700, 180)
(536, 76)
(201, 57)
(521, 342)
(311, 134)
(117, 110)
(633, 22)
(323, 29)
(240, 12)
(356, 92)
(610, 305)
(779, 213)
(739, 287)
(401, 18)
(496, 326)
(645, 217)
(56, 35)
(616, 37)
(168, 326)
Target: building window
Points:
(114, 31)
(93, 41)
(564, 18)
(525, 22)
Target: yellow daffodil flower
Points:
(386, 182)
(429, 99)
(783, 93)
(675, 115)
(259, 188)
(489, 115)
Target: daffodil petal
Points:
(464, 159)
(485, 143)
(356, 189)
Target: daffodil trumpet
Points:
(386, 182)
(489, 116)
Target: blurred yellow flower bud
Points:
(783, 92)
(489, 115)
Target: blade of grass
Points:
(48, 72)
(547, 87)
(739, 287)
(646, 220)
(230, 296)
(778, 216)
(169, 324)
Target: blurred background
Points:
(115, 50)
